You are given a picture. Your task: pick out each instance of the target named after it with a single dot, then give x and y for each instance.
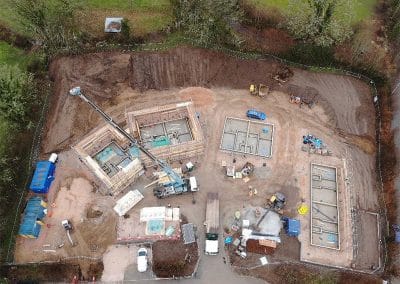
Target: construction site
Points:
(150, 136)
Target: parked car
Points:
(252, 113)
(142, 260)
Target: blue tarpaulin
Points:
(43, 176)
(32, 220)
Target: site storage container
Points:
(42, 177)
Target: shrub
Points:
(51, 22)
(319, 21)
(207, 22)
(17, 95)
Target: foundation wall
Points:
(99, 138)
(96, 141)
(156, 115)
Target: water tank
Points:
(53, 158)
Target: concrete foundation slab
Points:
(324, 207)
(247, 137)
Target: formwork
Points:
(108, 155)
(324, 207)
(171, 132)
(247, 137)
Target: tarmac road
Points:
(211, 270)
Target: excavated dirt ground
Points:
(343, 118)
(174, 258)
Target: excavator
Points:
(260, 90)
(175, 184)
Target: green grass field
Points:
(363, 9)
(145, 16)
(137, 5)
(13, 56)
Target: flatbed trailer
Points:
(212, 224)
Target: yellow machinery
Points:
(260, 90)
(276, 202)
(303, 209)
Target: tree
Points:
(51, 22)
(17, 95)
(207, 22)
(323, 22)
(394, 20)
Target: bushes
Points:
(310, 54)
(207, 22)
(319, 21)
(394, 20)
(17, 95)
(51, 22)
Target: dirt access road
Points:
(343, 119)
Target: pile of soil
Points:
(59, 272)
(98, 231)
(174, 258)
(307, 94)
(94, 212)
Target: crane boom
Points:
(177, 181)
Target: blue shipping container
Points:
(43, 176)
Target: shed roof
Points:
(188, 233)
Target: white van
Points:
(142, 260)
(193, 184)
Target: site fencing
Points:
(33, 157)
(104, 46)
(312, 68)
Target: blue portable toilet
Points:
(42, 177)
(292, 226)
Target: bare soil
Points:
(300, 274)
(35, 273)
(174, 258)
(117, 82)
(269, 40)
